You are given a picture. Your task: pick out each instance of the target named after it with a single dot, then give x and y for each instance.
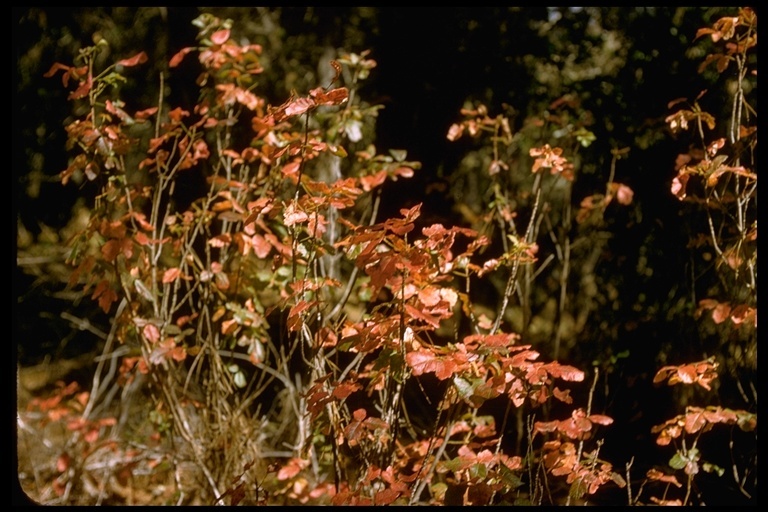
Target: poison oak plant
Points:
(716, 178)
(684, 431)
(270, 331)
(716, 181)
(192, 288)
(550, 223)
(311, 409)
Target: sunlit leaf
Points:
(139, 58)
(694, 421)
(63, 462)
(292, 468)
(455, 131)
(220, 36)
(423, 361)
(677, 461)
(600, 419)
(151, 333)
(171, 275)
(721, 312)
(654, 474)
(344, 389)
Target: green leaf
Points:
(466, 391)
(578, 489)
(338, 151)
(509, 478)
(585, 137)
(398, 154)
(455, 464)
(677, 461)
(479, 471)
(712, 468)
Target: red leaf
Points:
(345, 389)
(687, 374)
(624, 194)
(429, 296)
(705, 304)
(165, 349)
(291, 469)
(151, 333)
(545, 426)
(721, 312)
(220, 240)
(91, 436)
(422, 361)
(291, 170)
(423, 316)
(142, 239)
(63, 462)
(332, 97)
(317, 401)
(354, 431)
(220, 36)
(82, 90)
(455, 131)
(370, 182)
(492, 340)
(405, 172)
(563, 396)
(139, 58)
(177, 114)
(111, 250)
(292, 215)
(56, 67)
(654, 474)
(742, 313)
(695, 420)
(411, 214)
(600, 419)
(564, 372)
(146, 113)
(176, 59)
(663, 374)
(171, 275)
(386, 496)
(678, 185)
(105, 295)
(260, 246)
(298, 107)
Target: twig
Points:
(422, 482)
(589, 411)
(97, 388)
(512, 281)
(84, 325)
